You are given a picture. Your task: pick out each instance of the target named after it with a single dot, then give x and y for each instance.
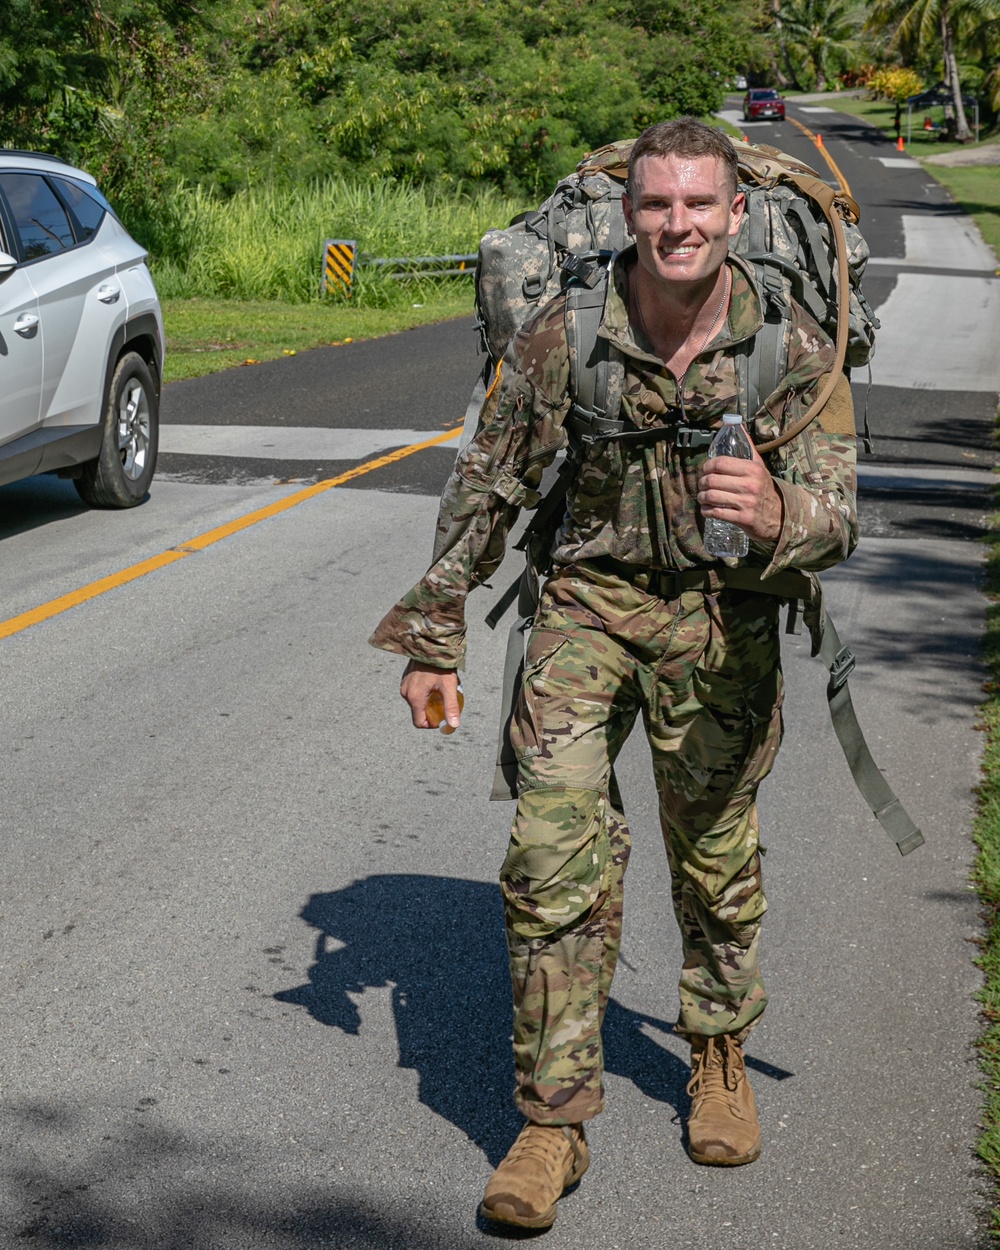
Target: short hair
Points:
(686, 136)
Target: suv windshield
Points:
(764, 95)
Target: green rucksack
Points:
(800, 235)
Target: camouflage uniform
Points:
(613, 637)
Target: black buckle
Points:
(689, 439)
(590, 428)
(581, 267)
(665, 584)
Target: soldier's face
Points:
(682, 213)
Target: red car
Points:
(763, 102)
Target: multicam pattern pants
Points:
(704, 670)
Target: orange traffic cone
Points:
(819, 141)
(746, 138)
(900, 145)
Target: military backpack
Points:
(800, 235)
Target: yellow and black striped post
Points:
(338, 265)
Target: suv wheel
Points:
(121, 474)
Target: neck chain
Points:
(711, 328)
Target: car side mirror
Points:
(7, 265)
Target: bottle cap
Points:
(732, 418)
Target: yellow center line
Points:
(843, 184)
(15, 624)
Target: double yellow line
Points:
(842, 182)
(15, 624)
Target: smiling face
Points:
(682, 212)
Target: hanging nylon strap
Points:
(888, 810)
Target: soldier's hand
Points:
(742, 491)
(418, 684)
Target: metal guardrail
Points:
(422, 266)
(341, 259)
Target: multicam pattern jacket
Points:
(638, 503)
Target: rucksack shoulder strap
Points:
(596, 369)
(761, 362)
(769, 360)
(760, 368)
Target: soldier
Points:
(636, 618)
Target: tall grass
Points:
(987, 876)
(266, 243)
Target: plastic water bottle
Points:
(726, 538)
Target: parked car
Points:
(81, 336)
(763, 102)
(741, 82)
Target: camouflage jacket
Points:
(635, 503)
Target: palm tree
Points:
(919, 24)
(981, 42)
(819, 29)
(776, 72)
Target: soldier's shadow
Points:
(439, 943)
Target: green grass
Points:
(986, 874)
(881, 113)
(207, 335)
(240, 278)
(266, 243)
(977, 189)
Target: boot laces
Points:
(718, 1070)
(545, 1144)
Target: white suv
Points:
(81, 336)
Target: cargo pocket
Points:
(764, 704)
(525, 727)
(740, 729)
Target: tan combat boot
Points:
(723, 1128)
(543, 1162)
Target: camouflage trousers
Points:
(704, 671)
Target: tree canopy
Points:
(226, 95)
(821, 36)
(923, 29)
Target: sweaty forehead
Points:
(677, 175)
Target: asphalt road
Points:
(251, 937)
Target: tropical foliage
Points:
(820, 38)
(895, 84)
(158, 95)
(227, 95)
(938, 34)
